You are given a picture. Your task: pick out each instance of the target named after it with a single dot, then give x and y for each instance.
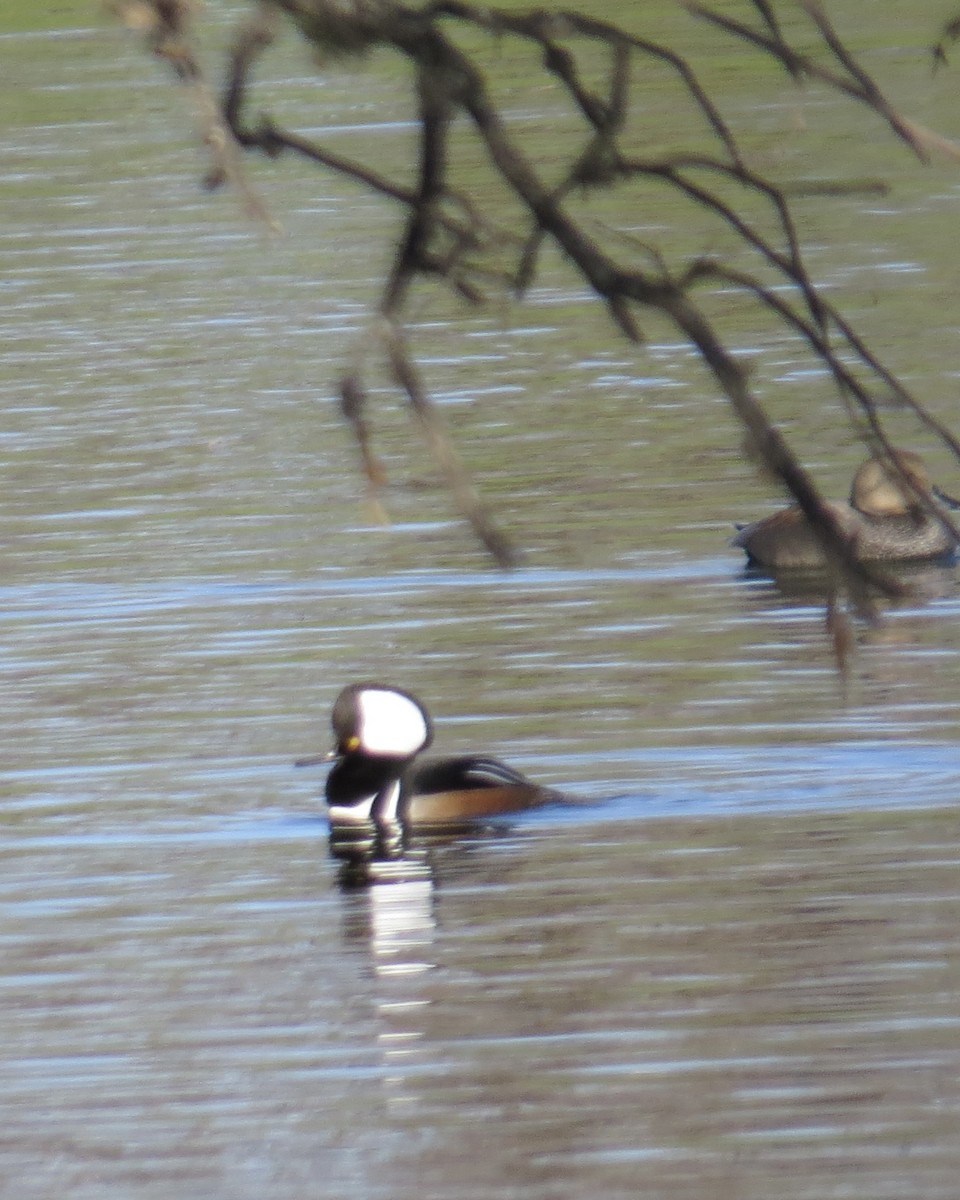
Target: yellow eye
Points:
(351, 743)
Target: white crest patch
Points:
(390, 724)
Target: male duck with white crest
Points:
(377, 783)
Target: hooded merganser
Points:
(375, 782)
(884, 521)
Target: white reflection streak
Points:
(401, 922)
(402, 928)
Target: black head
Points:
(379, 732)
(374, 720)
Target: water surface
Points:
(727, 967)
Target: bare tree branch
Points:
(446, 238)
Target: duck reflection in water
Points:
(892, 517)
(378, 794)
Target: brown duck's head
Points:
(882, 486)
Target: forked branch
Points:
(446, 238)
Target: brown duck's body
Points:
(884, 521)
(376, 781)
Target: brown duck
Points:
(883, 520)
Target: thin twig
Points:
(442, 449)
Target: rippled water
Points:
(727, 967)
